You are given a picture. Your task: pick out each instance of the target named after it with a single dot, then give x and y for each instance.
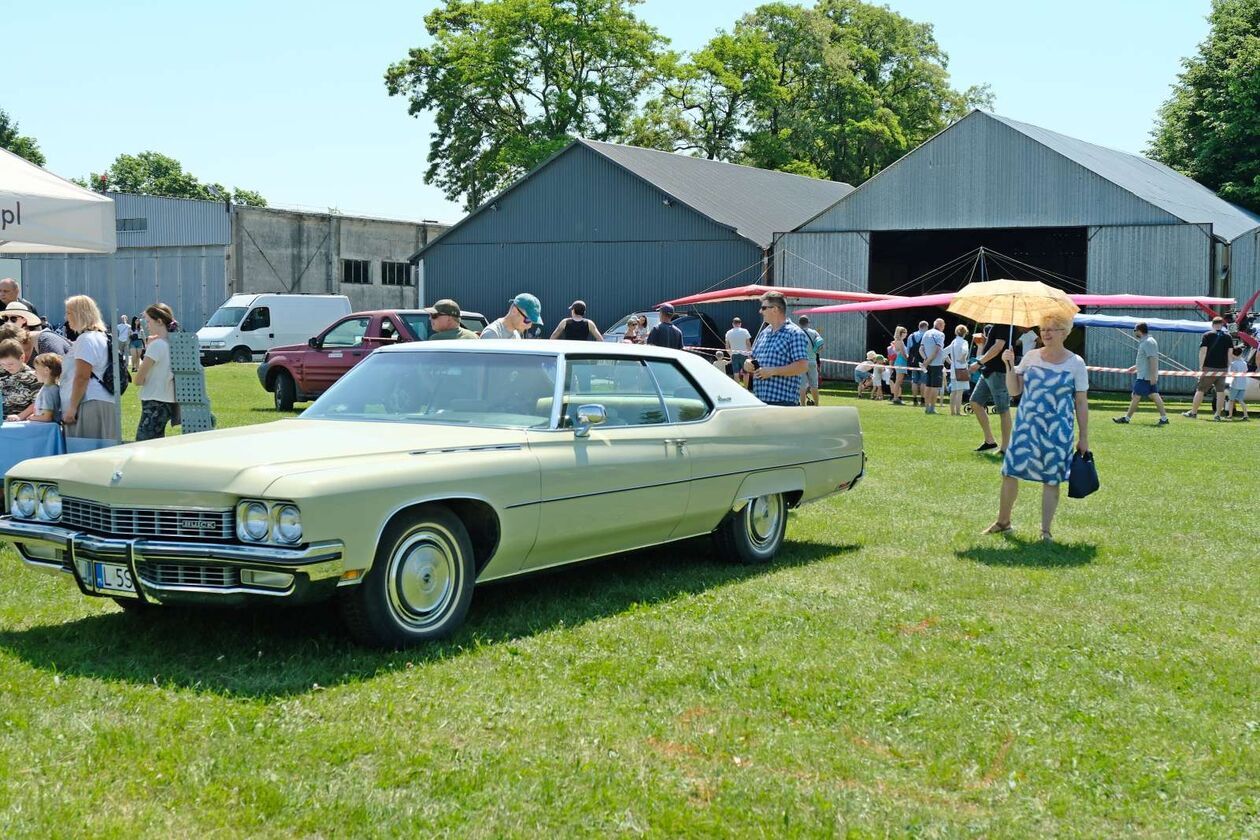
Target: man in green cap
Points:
(444, 322)
(524, 311)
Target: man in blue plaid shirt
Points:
(780, 355)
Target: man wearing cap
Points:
(524, 311)
(738, 346)
(780, 354)
(577, 327)
(444, 322)
(809, 387)
(665, 334)
(11, 292)
(19, 322)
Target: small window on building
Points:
(356, 271)
(395, 273)
(131, 224)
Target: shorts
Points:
(959, 386)
(1211, 378)
(1144, 388)
(935, 376)
(992, 389)
(861, 375)
(136, 343)
(811, 376)
(917, 376)
(1237, 394)
(737, 362)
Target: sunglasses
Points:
(764, 308)
(528, 322)
(14, 319)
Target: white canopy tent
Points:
(41, 213)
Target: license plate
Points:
(111, 577)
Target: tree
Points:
(510, 82)
(1209, 129)
(839, 91)
(11, 139)
(153, 173)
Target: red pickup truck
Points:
(301, 372)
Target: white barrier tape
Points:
(1097, 369)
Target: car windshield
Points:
(619, 328)
(473, 389)
(226, 316)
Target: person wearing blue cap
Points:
(524, 311)
(665, 334)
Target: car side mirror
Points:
(313, 342)
(588, 416)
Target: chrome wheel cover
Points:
(423, 576)
(763, 520)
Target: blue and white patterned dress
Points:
(1045, 424)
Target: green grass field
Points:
(891, 674)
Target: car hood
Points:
(213, 333)
(246, 460)
(287, 348)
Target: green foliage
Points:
(153, 173)
(892, 673)
(12, 140)
(1209, 129)
(839, 90)
(510, 82)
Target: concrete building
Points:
(194, 254)
(622, 228)
(1103, 221)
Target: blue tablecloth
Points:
(19, 441)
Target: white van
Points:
(249, 325)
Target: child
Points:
(1238, 390)
(19, 386)
(721, 362)
(47, 405)
(877, 377)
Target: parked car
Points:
(302, 372)
(427, 469)
(698, 329)
(246, 325)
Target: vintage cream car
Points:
(427, 469)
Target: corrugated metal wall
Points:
(839, 261)
(171, 221)
(1244, 266)
(1150, 259)
(582, 227)
(191, 280)
(980, 173)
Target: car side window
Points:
(683, 400)
(388, 328)
(257, 319)
(348, 333)
(624, 387)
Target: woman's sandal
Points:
(1046, 536)
(998, 528)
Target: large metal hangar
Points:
(1061, 210)
(622, 228)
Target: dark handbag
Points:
(1083, 475)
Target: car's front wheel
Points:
(285, 391)
(420, 583)
(753, 533)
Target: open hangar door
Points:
(919, 262)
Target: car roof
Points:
(544, 346)
(464, 313)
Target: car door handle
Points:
(679, 443)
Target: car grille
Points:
(148, 522)
(178, 574)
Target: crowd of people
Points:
(66, 375)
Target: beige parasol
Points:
(1020, 303)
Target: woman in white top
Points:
(89, 409)
(959, 354)
(157, 383)
(1055, 404)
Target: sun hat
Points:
(15, 308)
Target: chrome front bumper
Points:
(182, 572)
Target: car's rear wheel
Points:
(420, 583)
(285, 391)
(242, 354)
(754, 533)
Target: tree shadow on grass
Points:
(1033, 554)
(268, 653)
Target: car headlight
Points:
(49, 502)
(253, 521)
(288, 524)
(24, 500)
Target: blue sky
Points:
(282, 98)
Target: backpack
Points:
(913, 354)
(113, 361)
